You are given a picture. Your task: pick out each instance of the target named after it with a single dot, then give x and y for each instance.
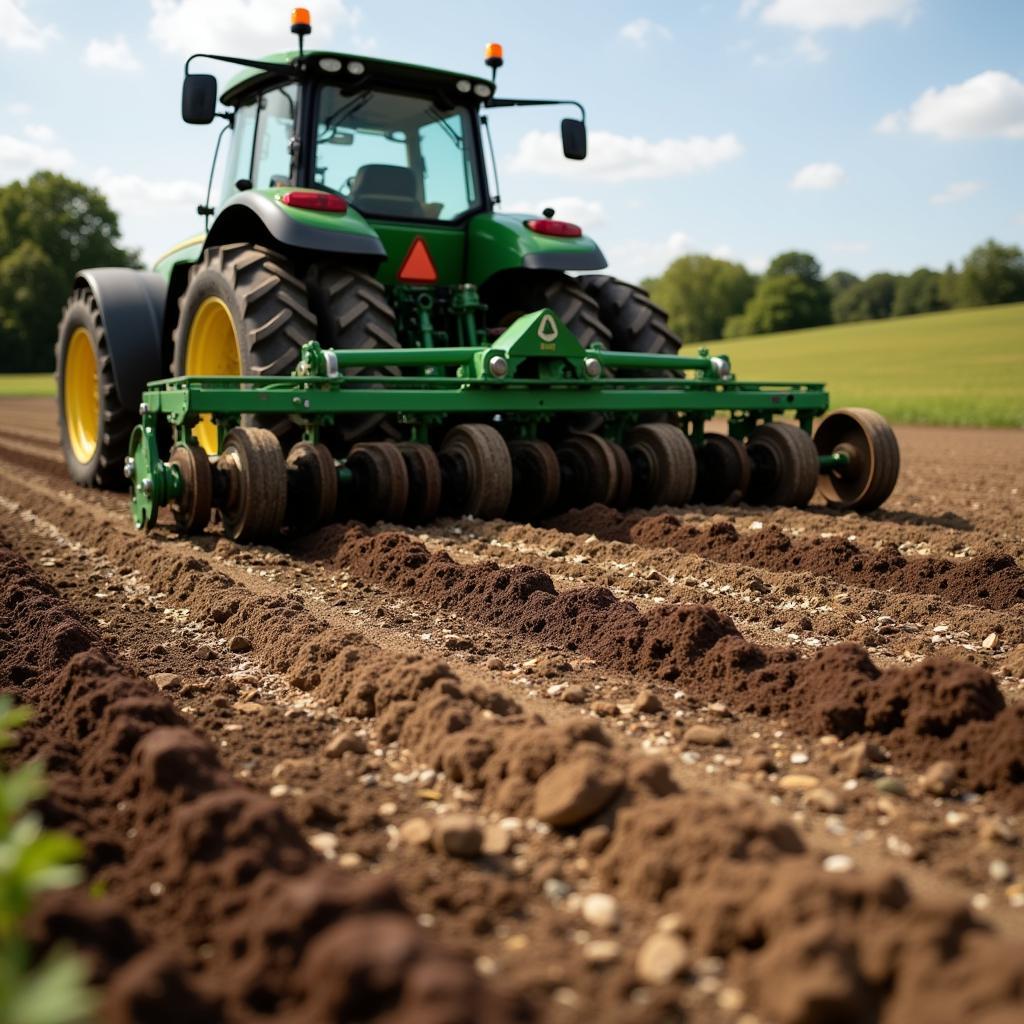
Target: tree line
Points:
(50, 227)
(708, 298)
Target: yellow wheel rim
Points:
(212, 351)
(81, 395)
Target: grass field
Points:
(963, 367)
(27, 384)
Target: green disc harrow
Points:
(520, 425)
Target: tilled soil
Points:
(712, 764)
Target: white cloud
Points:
(245, 27)
(41, 133)
(818, 176)
(641, 31)
(635, 259)
(588, 213)
(21, 157)
(134, 194)
(989, 105)
(890, 124)
(810, 49)
(111, 55)
(617, 158)
(19, 31)
(957, 192)
(813, 15)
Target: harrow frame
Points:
(533, 370)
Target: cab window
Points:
(396, 155)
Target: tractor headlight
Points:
(355, 67)
(464, 85)
(482, 90)
(329, 64)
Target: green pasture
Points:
(963, 367)
(26, 385)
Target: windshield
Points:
(396, 156)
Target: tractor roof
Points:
(411, 76)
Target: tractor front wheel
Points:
(244, 311)
(94, 425)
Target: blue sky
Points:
(877, 134)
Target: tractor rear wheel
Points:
(94, 425)
(243, 311)
(635, 323)
(352, 311)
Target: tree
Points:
(991, 274)
(919, 293)
(838, 281)
(796, 264)
(871, 299)
(783, 302)
(699, 293)
(50, 227)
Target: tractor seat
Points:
(387, 191)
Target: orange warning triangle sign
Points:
(418, 266)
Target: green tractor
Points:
(360, 331)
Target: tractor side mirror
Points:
(199, 99)
(574, 139)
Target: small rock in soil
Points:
(416, 832)
(593, 840)
(494, 663)
(574, 695)
(204, 652)
(990, 641)
(648, 703)
(891, 784)
(166, 680)
(604, 709)
(940, 778)
(838, 864)
(705, 736)
(662, 957)
(797, 783)
(601, 910)
(857, 759)
(458, 835)
(496, 841)
(345, 743)
(239, 644)
(602, 951)
(576, 790)
(825, 800)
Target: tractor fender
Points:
(131, 306)
(502, 241)
(259, 217)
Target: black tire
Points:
(534, 290)
(257, 491)
(635, 323)
(268, 302)
(785, 466)
(105, 468)
(664, 464)
(352, 311)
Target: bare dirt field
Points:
(708, 764)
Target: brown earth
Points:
(713, 764)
